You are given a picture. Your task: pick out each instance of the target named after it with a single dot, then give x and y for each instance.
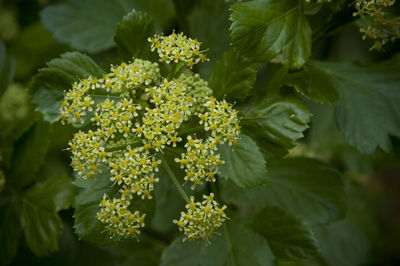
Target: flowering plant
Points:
(140, 117)
(206, 132)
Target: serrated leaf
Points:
(131, 36)
(276, 126)
(306, 188)
(86, 224)
(236, 245)
(298, 49)
(368, 110)
(313, 83)
(29, 154)
(59, 75)
(262, 28)
(244, 164)
(90, 25)
(10, 230)
(38, 213)
(288, 238)
(233, 76)
(215, 38)
(7, 67)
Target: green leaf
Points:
(244, 164)
(215, 38)
(298, 49)
(29, 154)
(351, 241)
(313, 83)
(288, 238)
(7, 66)
(277, 125)
(343, 243)
(90, 25)
(84, 25)
(91, 192)
(38, 213)
(306, 188)
(261, 29)
(161, 11)
(235, 245)
(10, 230)
(131, 36)
(233, 76)
(368, 110)
(59, 75)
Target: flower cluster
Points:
(201, 159)
(221, 120)
(128, 77)
(201, 218)
(177, 48)
(122, 80)
(385, 28)
(119, 220)
(135, 114)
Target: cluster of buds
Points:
(201, 218)
(385, 27)
(177, 48)
(135, 114)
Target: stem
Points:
(173, 178)
(190, 130)
(119, 147)
(176, 68)
(171, 150)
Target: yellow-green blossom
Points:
(177, 48)
(201, 219)
(135, 114)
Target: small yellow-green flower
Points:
(177, 48)
(201, 219)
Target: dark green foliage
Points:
(233, 76)
(244, 165)
(307, 188)
(262, 28)
(236, 245)
(276, 125)
(132, 34)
